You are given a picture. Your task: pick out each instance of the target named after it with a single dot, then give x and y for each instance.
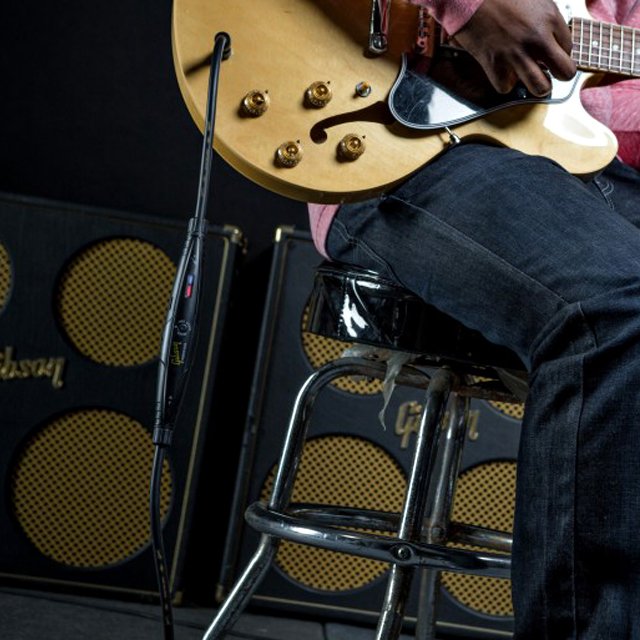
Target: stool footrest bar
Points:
(356, 518)
(376, 547)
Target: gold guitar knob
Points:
(351, 147)
(319, 94)
(255, 103)
(289, 153)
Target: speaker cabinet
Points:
(352, 459)
(83, 298)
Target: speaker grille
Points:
(81, 488)
(485, 496)
(511, 409)
(321, 350)
(112, 301)
(340, 471)
(5, 276)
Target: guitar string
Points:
(621, 53)
(626, 54)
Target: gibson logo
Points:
(176, 353)
(11, 369)
(408, 421)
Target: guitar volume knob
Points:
(255, 103)
(289, 154)
(319, 94)
(351, 147)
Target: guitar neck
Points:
(604, 47)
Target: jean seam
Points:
(483, 249)
(605, 190)
(574, 587)
(594, 343)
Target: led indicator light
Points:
(189, 288)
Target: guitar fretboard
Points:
(611, 48)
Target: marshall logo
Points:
(12, 369)
(408, 421)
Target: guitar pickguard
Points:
(456, 91)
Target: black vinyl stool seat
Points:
(357, 305)
(452, 364)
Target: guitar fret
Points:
(605, 47)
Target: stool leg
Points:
(290, 457)
(243, 589)
(260, 563)
(440, 503)
(411, 522)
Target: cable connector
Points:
(162, 437)
(226, 51)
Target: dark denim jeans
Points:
(548, 265)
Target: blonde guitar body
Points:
(281, 47)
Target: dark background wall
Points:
(90, 113)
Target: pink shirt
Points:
(616, 105)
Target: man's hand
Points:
(516, 40)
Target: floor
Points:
(31, 615)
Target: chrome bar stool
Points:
(452, 364)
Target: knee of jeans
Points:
(567, 332)
(614, 318)
(608, 322)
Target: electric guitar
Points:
(306, 111)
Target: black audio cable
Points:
(179, 336)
